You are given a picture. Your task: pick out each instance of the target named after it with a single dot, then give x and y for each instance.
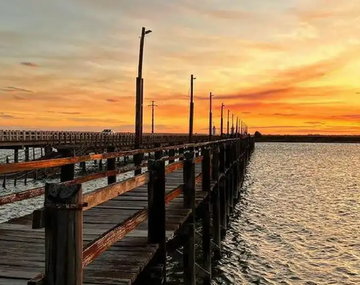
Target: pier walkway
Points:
(123, 232)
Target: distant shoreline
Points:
(308, 139)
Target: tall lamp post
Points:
(191, 117)
(139, 92)
(222, 120)
(139, 101)
(228, 125)
(210, 116)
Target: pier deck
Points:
(116, 247)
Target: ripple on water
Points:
(298, 221)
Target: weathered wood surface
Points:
(22, 248)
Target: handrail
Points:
(49, 163)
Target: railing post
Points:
(229, 181)
(222, 192)
(181, 152)
(205, 214)
(171, 153)
(158, 154)
(68, 170)
(63, 234)
(206, 169)
(189, 203)
(111, 165)
(215, 200)
(156, 210)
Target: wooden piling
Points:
(205, 215)
(63, 234)
(172, 153)
(215, 200)
(111, 165)
(222, 192)
(189, 203)
(156, 212)
(16, 155)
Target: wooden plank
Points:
(106, 193)
(101, 244)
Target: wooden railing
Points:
(65, 203)
(125, 139)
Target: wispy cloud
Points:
(16, 89)
(30, 64)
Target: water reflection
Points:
(298, 221)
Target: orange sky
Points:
(285, 67)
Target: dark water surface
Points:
(299, 218)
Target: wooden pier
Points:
(123, 232)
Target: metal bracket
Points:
(66, 206)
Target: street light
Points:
(222, 120)
(228, 126)
(139, 92)
(210, 116)
(191, 117)
(139, 101)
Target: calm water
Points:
(299, 218)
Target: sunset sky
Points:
(284, 66)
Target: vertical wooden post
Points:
(205, 214)
(68, 170)
(189, 203)
(222, 192)
(158, 154)
(16, 155)
(215, 200)
(33, 152)
(63, 234)
(111, 165)
(157, 211)
(83, 166)
(181, 152)
(27, 153)
(229, 180)
(206, 170)
(172, 153)
(100, 164)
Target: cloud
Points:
(8, 117)
(31, 64)
(16, 89)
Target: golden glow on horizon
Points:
(285, 67)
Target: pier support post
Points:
(205, 215)
(158, 154)
(63, 234)
(27, 157)
(100, 164)
(181, 152)
(68, 170)
(83, 166)
(156, 212)
(229, 180)
(222, 192)
(215, 200)
(16, 155)
(171, 153)
(111, 165)
(189, 203)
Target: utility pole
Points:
(152, 105)
(222, 120)
(228, 123)
(210, 116)
(232, 124)
(139, 92)
(191, 117)
(236, 130)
